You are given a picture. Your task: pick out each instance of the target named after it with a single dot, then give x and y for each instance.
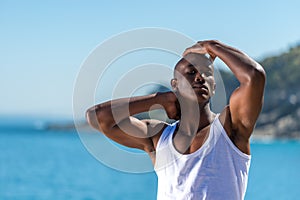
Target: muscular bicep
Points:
(245, 105)
(135, 133)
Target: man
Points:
(203, 155)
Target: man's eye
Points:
(192, 72)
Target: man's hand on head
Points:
(201, 47)
(171, 104)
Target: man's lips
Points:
(200, 86)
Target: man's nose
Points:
(199, 78)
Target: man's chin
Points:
(202, 99)
(199, 98)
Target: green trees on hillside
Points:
(283, 71)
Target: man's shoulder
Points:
(225, 119)
(154, 123)
(155, 129)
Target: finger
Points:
(194, 49)
(189, 50)
(186, 51)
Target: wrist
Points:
(211, 47)
(165, 98)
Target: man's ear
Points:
(174, 84)
(214, 89)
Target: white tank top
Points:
(217, 170)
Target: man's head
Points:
(194, 78)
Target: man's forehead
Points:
(196, 60)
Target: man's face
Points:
(194, 78)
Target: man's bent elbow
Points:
(99, 119)
(258, 75)
(91, 117)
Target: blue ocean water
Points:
(55, 165)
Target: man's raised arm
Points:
(246, 101)
(114, 119)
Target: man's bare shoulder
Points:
(155, 128)
(236, 138)
(225, 119)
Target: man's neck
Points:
(195, 117)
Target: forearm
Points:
(120, 109)
(243, 67)
(112, 112)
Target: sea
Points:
(48, 164)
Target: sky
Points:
(44, 43)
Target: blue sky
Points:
(43, 43)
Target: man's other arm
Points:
(114, 119)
